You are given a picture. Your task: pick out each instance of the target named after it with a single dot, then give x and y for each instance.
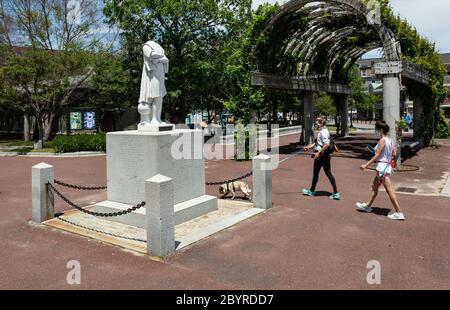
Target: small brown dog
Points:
(233, 187)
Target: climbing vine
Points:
(266, 51)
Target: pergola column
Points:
(308, 119)
(391, 109)
(344, 117)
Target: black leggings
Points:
(325, 162)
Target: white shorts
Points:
(384, 170)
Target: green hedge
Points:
(79, 143)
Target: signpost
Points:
(390, 67)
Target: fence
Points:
(159, 202)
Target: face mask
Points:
(378, 133)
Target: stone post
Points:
(262, 182)
(159, 198)
(42, 201)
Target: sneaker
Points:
(364, 207)
(309, 193)
(397, 216)
(335, 196)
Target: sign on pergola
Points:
(389, 67)
(272, 81)
(408, 69)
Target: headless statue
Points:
(153, 89)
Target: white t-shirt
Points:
(322, 139)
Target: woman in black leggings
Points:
(322, 159)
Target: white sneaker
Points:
(364, 207)
(397, 216)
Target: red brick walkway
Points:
(302, 243)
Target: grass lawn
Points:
(16, 143)
(30, 150)
(333, 128)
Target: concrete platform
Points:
(184, 211)
(228, 214)
(446, 190)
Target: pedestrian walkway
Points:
(302, 243)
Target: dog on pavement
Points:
(233, 187)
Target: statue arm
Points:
(147, 55)
(166, 67)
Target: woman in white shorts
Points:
(384, 159)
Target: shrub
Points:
(442, 127)
(79, 143)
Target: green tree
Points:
(58, 40)
(423, 53)
(110, 84)
(198, 37)
(360, 99)
(246, 100)
(324, 106)
(41, 82)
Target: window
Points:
(366, 73)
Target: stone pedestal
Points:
(135, 156)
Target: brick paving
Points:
(302, 243)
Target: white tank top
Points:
(383, 162)
(386, 155)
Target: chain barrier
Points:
(230, 181)
(99, 231)
(82, 188)
(120, 213)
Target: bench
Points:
(409, 147)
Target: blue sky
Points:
(430, 17)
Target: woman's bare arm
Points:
(381, 146)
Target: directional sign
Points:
(390, 67)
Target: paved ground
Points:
(302, 243)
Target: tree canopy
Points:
(199, 36)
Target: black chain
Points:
(99, 231)
(82, 188)
(124, 212)
(230, 181)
